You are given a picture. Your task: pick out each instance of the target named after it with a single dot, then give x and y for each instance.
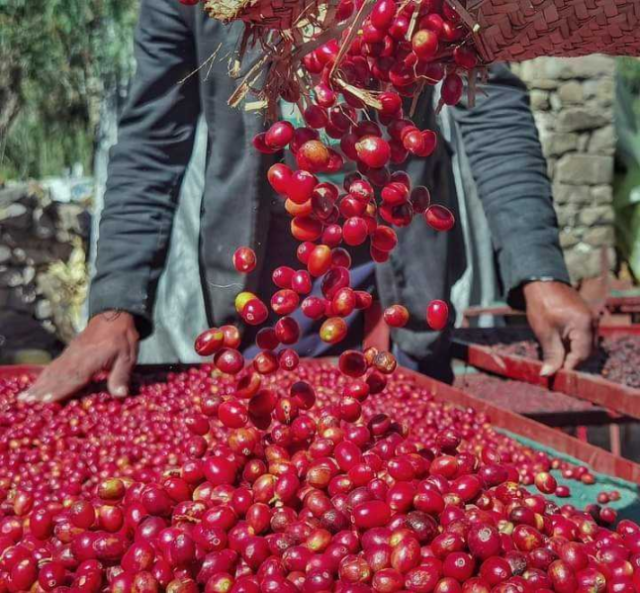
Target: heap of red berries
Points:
(206, 482)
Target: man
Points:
(146, 170)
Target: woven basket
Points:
(517, 30)
(272, 14)
(505, 30)
(501, 30)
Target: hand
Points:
(562, 322)
(109, 343)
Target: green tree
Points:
(626, 201)
(58, 58)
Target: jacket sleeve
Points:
(155, 141)
(501, 141)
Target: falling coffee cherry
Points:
(254, 312)
(244, 260)
(333, 330)
(209, 342)
(242, 298)
(439, 218)
(437, 315)
(396, 316)
(232, 336)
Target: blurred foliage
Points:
(627, 181)
(628, 70)
(58, 59)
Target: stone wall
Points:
(573, 104)
(40, 242)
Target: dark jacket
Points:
(155, 142)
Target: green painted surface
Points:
(628, 506)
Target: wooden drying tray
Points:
(559, 410)
(598, 459)
(615, 397)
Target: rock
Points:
(569, 238)
(603, 141)
(19, 256)
(28, 294)
(70, 218)
(583, 67)
(539, 100)
(583, 169)
(34, 232)
(583, 142)
(571, 93)
(599, 236)
(5, 254)
(566, 215)
(597, 215)
(15, 216)
(44, 309)
(606, 92)
(590, 89)
(583, 262)
(602, 194)
(44, 225)
(11, 195)
(578, 119)
(557, 144)
(545, 121)
(556, 103)
(544, 68)
(600, 90)
(544, 84)
(551, 168)
(575, 194)
(10, 278)
(49, 326)
(28, 274)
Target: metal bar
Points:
(614, 438)
(624, 303)
(497, 310)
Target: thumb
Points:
(120, 375)
(553, 354)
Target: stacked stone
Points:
(573, 104)
(34, 233)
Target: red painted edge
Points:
(619, 330)
(613, 396)
(600, 460)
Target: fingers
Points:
(581, 341)
(118, 382)
(58, 382)
(553, 352)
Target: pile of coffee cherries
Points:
(177, 489)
